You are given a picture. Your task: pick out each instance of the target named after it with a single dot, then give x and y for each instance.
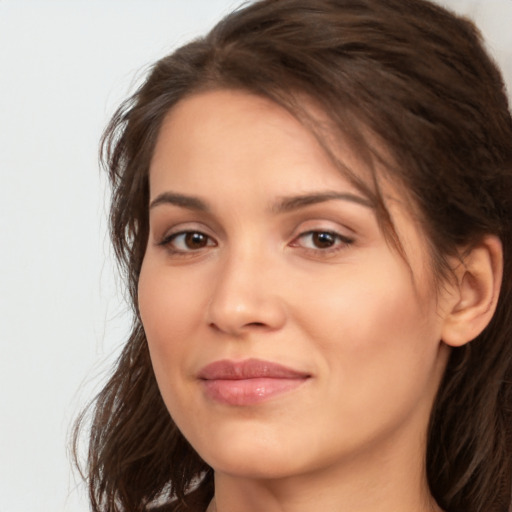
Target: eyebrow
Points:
(287, 204)
(282, 205)
(181, 200)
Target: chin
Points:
(254, 467)
(255, 454)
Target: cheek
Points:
(169, 311)
(365, 303)
(378, 333)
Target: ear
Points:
(474, 293)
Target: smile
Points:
(248, 382)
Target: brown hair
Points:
(416, 77)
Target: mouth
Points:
(248, 382)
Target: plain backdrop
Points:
(64, 67)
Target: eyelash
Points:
(339, 242)
(168, 241)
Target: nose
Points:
(245, 297)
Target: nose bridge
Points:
(245, 295)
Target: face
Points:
(285, 333)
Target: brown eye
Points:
(323, 240)
(187, 241)
(195, 240)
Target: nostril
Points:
(258, 325)
(214, 326)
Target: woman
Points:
(312, 206)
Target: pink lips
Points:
(248, 382)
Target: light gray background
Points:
(64, 66)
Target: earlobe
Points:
(476, 292)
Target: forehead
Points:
(228, 135)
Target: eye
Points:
(187, 241)
(319, 240)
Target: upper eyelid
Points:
(168, 236)
(323, 211)
(330, 231)
(323, 224)
(165, 226)
(297, 227)
(182, 227)
(344, 239)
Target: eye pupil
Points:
(195, 240)
(323, 239)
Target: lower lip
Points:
(249, 391)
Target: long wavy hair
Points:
(418, 79)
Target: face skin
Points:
(241, 269)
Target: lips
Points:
(248, 382)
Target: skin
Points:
(363, 322)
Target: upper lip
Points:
(248, 369)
